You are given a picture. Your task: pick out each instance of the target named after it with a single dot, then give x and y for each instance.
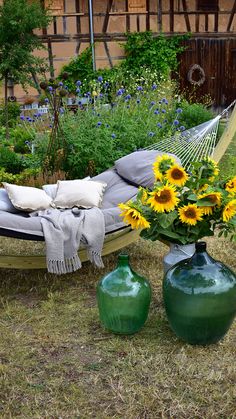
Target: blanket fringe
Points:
(95, 258)
(61, 267)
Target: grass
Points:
(56, 361)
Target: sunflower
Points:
(144, 196)
(231, 186)
(162, 164)
(214, 197)
(229, 210)
(133, 217)
(163, 199)
(176, 175)
(190, 214)
(158, 175)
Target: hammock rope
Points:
(193, 144)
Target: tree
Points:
(18, 41)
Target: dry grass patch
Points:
(57, 362)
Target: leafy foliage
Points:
(10, 161)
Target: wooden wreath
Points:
(192, 69)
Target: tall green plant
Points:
(18, 20)
(143, 49)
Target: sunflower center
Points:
(163, 197)
(213, 198)
(134, 215)
(190, 213)
(177, 174)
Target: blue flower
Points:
(176, 122)
(127, 97)
(100, 79)
(22, 117)
(182, 128)
(165, 120)
(120, 92)
(46, 100)
(163, 111)
(159, 125)
(106, 84)
(101, 95)
(179, 110)
(139, 88)
(78, 90)
(154, 86)
(151, 134)
(50, 88)
(138, 100)
(99, 124)
(89, 93)
(156, 112)
(60, 84)
(113, 135)
(50, 126)
(78, 83)
(61, 110)
(153, 103)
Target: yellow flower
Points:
(162, 164)
(94, 93)
(231, 186)
(190, 214)
(229, 210)
(214, 197)
(133, 217)
(163, 199)
(212, 169)
(144, 196)
(176, 175)
(158, 175)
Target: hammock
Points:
(190, 145)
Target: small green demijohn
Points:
(200, 298)
(123, 299)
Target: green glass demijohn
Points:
(123, 299)
(200, 298)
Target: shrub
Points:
(13, 113)
(21, 139)
(194, 114)
(10, 161)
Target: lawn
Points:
(56, 361)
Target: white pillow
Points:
(26, 198)
(51, 189)
(5, 203)
(79, 193)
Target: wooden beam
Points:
(159, 15)
(127, 15)
(108, 54)
(186, 16)
(106, 19)
(231, 16)
(148, 15)
(171, 15)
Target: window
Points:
(208, 6)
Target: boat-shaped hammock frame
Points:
(125, 236)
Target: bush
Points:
(21, 138)
(10, 161)
(13, 114)
(194, 114)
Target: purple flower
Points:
(182, 128)
(163, 111)
(22, 117)
(89, 93)
(99, 124)
(138, 100)
(120, 92)
(50, 88)
(60, 84)
(100, 79)
(176, 122)
(153, 103)
(113, 135)
(101, 95)
(154, 86)
(50, 126)
(127, 97)
(78, 83)
(156, 112)
(179, 110)
(139, 88)
(159, 125)
(151, 134)
(46, 100)
(165, 101)
(78, 90)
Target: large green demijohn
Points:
(123, 299)
(200, 298)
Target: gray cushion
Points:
(137, 167)
(5, 203)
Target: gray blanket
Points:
(65, 230)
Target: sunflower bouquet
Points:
(184, 206)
